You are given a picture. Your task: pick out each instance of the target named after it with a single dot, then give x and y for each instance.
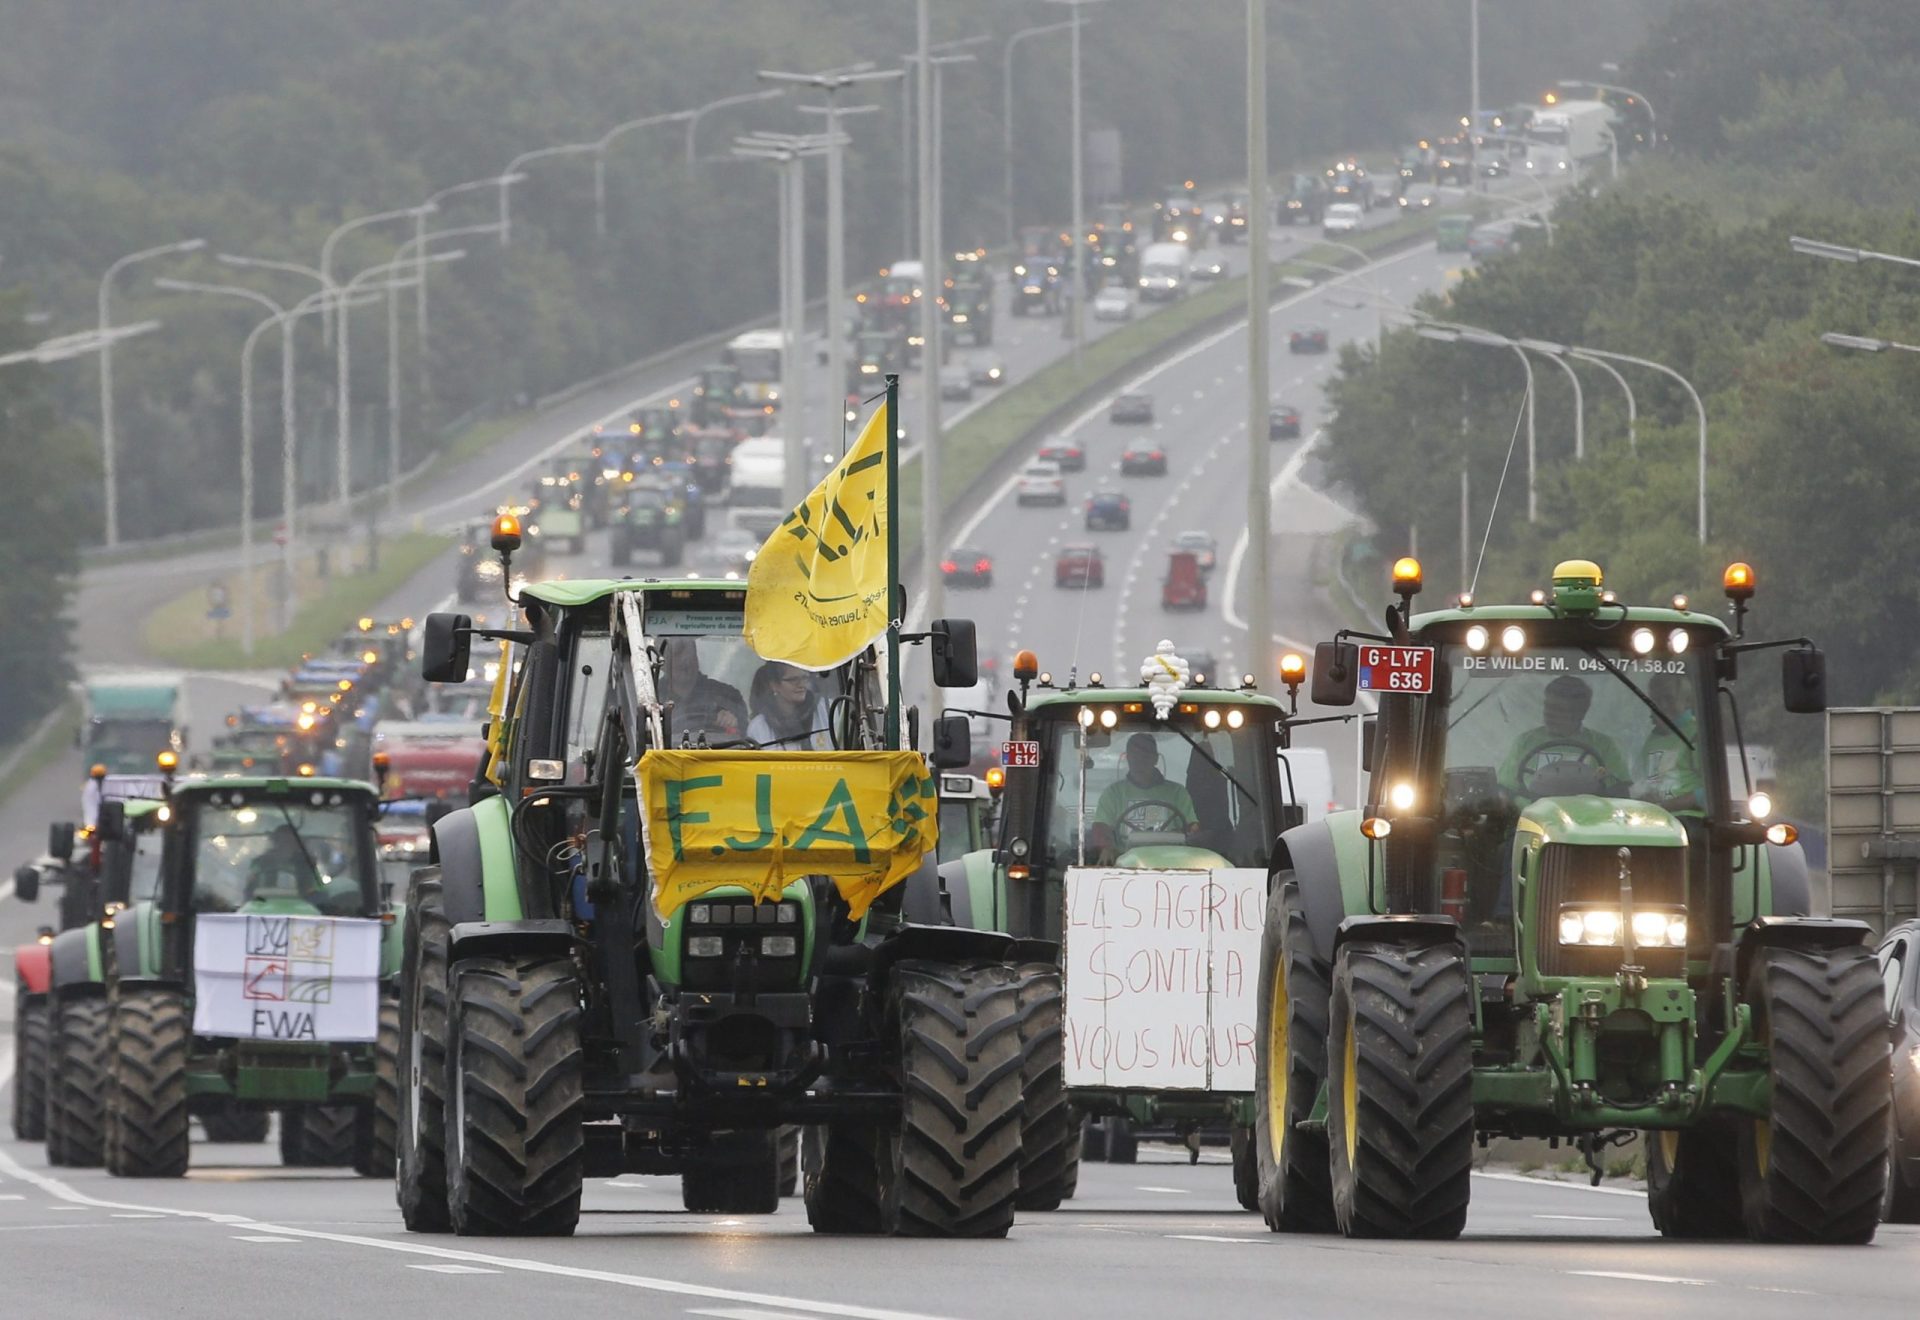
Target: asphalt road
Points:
(241, 1236)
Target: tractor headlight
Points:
(1642, 640)
(1109, 717)
(779, 946)
(1400, 797)
(1476, 639)
(706, 946)
(1235, 719)
(1211, 719)
(1759, 806)
(1513, 639)
(1601, 927)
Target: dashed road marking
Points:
(468, 1269)
(262, 1237)
(1633, 1277)
(1209, 1237)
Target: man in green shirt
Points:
(1144, 801)
(1669, 761)
(1561, 739)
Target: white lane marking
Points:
(1586, 1219)
(80, 1200)
(452, 1269)
(1632, 1277)
(747, 1313)
(1549, 1182)
(136, 1214)
(1169, 1191)
(1208, 1237)
(258, 1237)
(11, 1196)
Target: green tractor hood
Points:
(1591, 821)
(1171, 857)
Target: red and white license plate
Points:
(1407, 669)
(1020, 755)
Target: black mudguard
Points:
(1792, 885)
(456, 842)
(1412, 931)
(470, 939)
(69, 958)
(1308, 852)
(1822, 933)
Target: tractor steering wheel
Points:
(1584, 764)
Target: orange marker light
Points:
(996, 778)
(1026, 666)
(1738, 581)
(1293, 668)
(167, 761)
(1406, 575)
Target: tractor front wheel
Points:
(151, 1032)
(1400, 1098)
(1049, 1129)
(318, 1136)
(374, 1145)
(421, 1163)
(1814, 1170)
(76, 1095)
(30, 1070)
(1293, 1182)
(515, 1151)
(852, 1177)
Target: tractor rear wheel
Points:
(738, 1175)
(1122, 1142)
(231, 1124)
(960, 1123)
(1814, 1170)
(1400, 1075)
(1294, 1184)
(373, 1152)
(317, 1136)
(76, 1095)
(515, 1151)
(1049, 1129)
(150, 1032)
(421, 1163)
(30, 1070)
(852, 1178)
(1902, 1202)
(1693, 1183)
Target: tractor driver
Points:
(1142, 801)
(283, 865)
(1560, 754)
(703, 708)
(1669, 762)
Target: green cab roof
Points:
(573, 593)
(197, 785)
(1607, 614)
(1045, 698)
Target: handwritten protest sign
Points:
(290, 978)
(1162, 969)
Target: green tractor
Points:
(653, 941)
(650, 516)
(1135, 832)
(244, 965)
(1557, 917)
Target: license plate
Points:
(1406, 669)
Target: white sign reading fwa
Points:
(1161, 978)
(288, 978)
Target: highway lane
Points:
(1153, 1239)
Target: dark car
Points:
(989, 372)
(1109, 511)
(1127, 409)
(1064, 454)
(1203, 670)
(1079, 566)
(1900, 973)
(966, 567)
(1489, 241)
(1308, 339)
(1202, 546)
(1143, 460)
(1283, 422)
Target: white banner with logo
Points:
(289, 978)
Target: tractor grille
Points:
(1570, 874)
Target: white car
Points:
(956, 383)
(1112, 304)
(1040, 483)
(1341, 218)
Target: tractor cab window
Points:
(1143, 782)
(143, 866)
(309, 848)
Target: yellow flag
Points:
(817, 594)
(761, 820)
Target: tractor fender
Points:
(471, 939)
(75, 961)
(1308, 852)
(935, 894)
(1819, 933)
(944, 944)
(476, 863)
(33, 965)
(1406, 929)
(1792, 886)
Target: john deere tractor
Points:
(1134, 837)
(238, 969)
(1558, 916)
(652, 940)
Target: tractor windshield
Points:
(143, 866)
(1147, 782)
(301, 848)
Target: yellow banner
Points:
(763, 819)
(817, 591)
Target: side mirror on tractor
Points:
(446, 646)
(60, 840)
(1336, 674)
(1803, 681)
(111, 823)
(952, 742)
(26, 883)
(956, 657)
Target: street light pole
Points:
(1079, 221)
(1006, 104)
(1259, 293)
(1863, 344)
(600, 159)
(693, 121)
(1633, 411)
(508, 177)
(1447, 333)
(420, 269)
(930, 492)
(1699, 408)
(108, 448)
(415, 213)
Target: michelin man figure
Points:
(1163, 674)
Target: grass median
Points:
(179, 632)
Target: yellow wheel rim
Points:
(1762, 1145)
(1669, 1147)
(1350, 1093)
(1278, 1064)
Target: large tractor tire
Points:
(1295, 1185)
(1122, 1143)
(1815, 1169)
(790, 1161)
(1246, 1167)
(739, 1174)
(374, 1139)
(76, 1095)
(232, 1125)
(1400, 1111)
(1049, 1129)
(852, 1178)
(515, 1151)
(318, 1136)
(1901, 1205)
(1693, 1182)
(30, 1071)
(960, 1123)
(150, 1032)
(421, 1162)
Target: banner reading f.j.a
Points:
(759, 819)
(817, 591)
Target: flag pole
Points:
(896, 607)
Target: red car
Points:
(1183, 588)
(1080, 566)
(1313, 339)
(1065, 455)
(966, 567)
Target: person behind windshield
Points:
(1562, 737)
(788, 715)
(1669, 762)
(1143, 800)
(283, 865)
(702, 706)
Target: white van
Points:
(1311, 772)
(1164, 271)
(759, 481)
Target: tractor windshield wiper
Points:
(313, 867)
(1634, 688)
(1208, 757)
